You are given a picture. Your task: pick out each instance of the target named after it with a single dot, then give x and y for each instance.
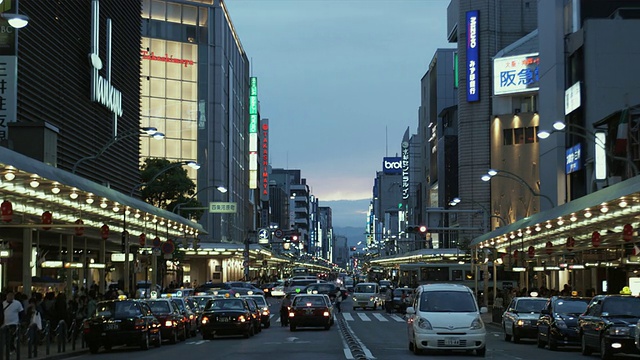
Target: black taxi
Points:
(558, 322)
(172, 322)
(121, 322)
(309, 310)
(227, 316)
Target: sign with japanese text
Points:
(573, 161)
(473, 70)
(222, 207)
(405, 170)
(8, 93)
(253, 133)
(264, 161)
(516, 74)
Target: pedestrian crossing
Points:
(359, 316)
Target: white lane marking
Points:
(366, 351)
(380, 317)
(396, 318)
(363, 317)
(347, 316)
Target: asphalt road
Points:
(377, 335)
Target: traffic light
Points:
(417, 229)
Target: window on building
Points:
(518, 136)
(529, 135)
(507, 135)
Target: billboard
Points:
(473, 70)
(516, 74)
(392, 165)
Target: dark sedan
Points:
(190, 317)
(558, 322)
(322, 288)
(608, 325)
(121, 322)
(309, 310)
(265, 313)
(173, 325)
(401, 299)
(229, 316)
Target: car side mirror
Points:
(484, 310)
(410, 310)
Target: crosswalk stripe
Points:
(363, 317)
(347, 316)
(380, 317)
(396, 318)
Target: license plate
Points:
(452, 342)
(223, 319)
(308, 311)
(111, 326)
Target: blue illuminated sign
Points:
(392, 165)
(573, 161)
(473, 81)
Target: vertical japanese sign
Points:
(253, 133)
(405, 170)
(473, 84)
(8, 73)
(264, 161)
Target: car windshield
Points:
(447, 301)
(259, 300)
(530, 305)
(159, 307)
(302, 283)
(360, 288)
(118, 310)
(622, 306)
(398, 292)
(571, 307)
(225, 304)
(305, 300)
(201, 300)
(179, 303)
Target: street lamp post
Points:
(151, 131)
(513, 176)
(125, 234)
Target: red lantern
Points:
(47, 218)
(595, 239)
(531, 251)
(7, 211)
(549, 249)
(143, 239)
(571, 242)
(104, 232)
(79, 229)
(627, 232)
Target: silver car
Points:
(520, 320)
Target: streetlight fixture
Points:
(599, 141)
(510, 175)
(16, 20)
(125, 234)
(151, 131)
(455, 201)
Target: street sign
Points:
(168, 247)
(223, 207)
(263, 236)
(278, 233)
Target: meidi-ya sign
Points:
(573, 161)
(515, 74)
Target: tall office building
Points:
(195, 88)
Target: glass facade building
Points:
(194, 84)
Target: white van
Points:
(446, 317)
(366, 295)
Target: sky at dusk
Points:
(339, 81)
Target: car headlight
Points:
(620, 331)
(521, 322)
(477, 324)
(561, 324)
(424, 324)
(355, 299)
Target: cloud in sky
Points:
(339, 81)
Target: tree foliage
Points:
(167, 185)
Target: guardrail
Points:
(15, 340)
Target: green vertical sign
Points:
(253, 105)
(455, 70)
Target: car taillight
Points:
(205, 320)
(291, 314)
(168, 323)
(326, 313)
(191, 317)
(138, 324)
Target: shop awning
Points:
(29, 202)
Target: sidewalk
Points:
(489, 318)
(43, 350)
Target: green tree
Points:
(170, 186)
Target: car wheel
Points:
(327, 327)
(94, 349)
(354, 308)
(292, 327)
(144, 344)
(247, 334)
(158, 339)
(416, 351)
(605, 352)
(585, 349)
(553, 344)
(482, 352)
(410, 346)
(539, 341)
(174, 336)
(267, 324)
(375, 306)
(507, 337)
(516, 337)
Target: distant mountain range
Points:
(349, 218)
(353, 235)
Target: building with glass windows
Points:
(194, 84)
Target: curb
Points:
(64, 355)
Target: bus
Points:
(414, 274)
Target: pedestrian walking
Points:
(338, 301)
(284, 310)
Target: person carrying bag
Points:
(36, 319)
